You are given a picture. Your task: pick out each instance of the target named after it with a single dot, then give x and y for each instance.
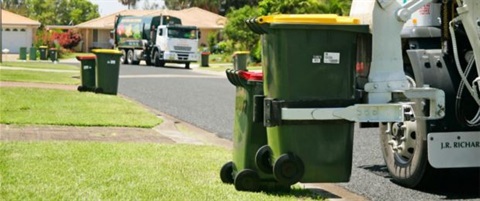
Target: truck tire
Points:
(130, 57)
(404, 149)
(123, 59)
(148, 61)
(187, 65)
(156, 58)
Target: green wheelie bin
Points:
(87, 72)
(240, 60)
(53, 54)
(309, 63)
(43, 52)
(23, 53)
(249, 137)
(107, 71)
(204, 59)
(33, 54)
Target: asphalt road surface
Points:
(207, 101)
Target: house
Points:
(17, 31)
(96, 32)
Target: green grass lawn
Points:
(71, 76)
(60, 107)
(41, 65)
(119, 171)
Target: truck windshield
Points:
(182, 33)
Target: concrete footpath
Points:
(170, 131)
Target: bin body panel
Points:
(312, 66)
(248, 136)
(43, 52)
(23, 53)
(107, 72)
(33, 54)
(325, 148)
(296, 60)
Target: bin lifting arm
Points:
(398, 112)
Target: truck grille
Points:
(182, 48)
(182, 56)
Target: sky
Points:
(106, 7)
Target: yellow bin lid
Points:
(106, 51)
(242, 52)
(308, 19)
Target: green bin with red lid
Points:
(87, 72)
(249, 137)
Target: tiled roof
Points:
(9, 18)
(190, 17)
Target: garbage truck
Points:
(417, 78)
(156, 39)
(425, 56)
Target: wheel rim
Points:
(130, 56)
(403, 138)
(123, 58)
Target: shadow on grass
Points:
(316, 194)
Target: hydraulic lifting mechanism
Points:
(417, 79)
(423, 85)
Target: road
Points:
(207, 101)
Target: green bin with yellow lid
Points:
(107, 71)
(308, 61)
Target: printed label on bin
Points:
(87, 67)
(111, 62)
(317, 59)
(331, 58)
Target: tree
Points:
(237, 31)
(61, 12)
(151, 6)
(15, 6)
(178, 4)
(340, 7)
(129, 3)
(269, 7)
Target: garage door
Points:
(14, 38)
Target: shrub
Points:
(67, 40)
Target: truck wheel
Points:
(156, 58)
(148, 61)
(123, 59)
(130, 57)
(404, 148)
(187, 65)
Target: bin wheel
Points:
(226, 173)
(247, 180)
(288, 169)
(263, 159)
(98, 90)
(81, 88)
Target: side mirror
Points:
(160, 32)
(199, 34)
